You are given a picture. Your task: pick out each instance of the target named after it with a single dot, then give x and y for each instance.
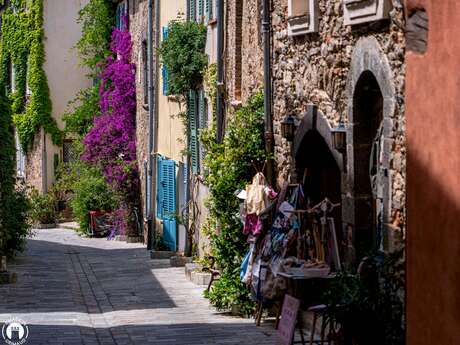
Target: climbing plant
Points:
(22, 57)
(183, 54)
(110, 145)
(228, 168)
(14, 227)
(97, 20)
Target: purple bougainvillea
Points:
(111, 144)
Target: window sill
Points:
(212, 22)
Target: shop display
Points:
(295, 239)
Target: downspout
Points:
(151, 101)
(268, 90)
(220, 70)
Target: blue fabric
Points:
(244, 265)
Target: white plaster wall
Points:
(65, 76)
(171, 138)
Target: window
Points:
(68, 154)
(302, 17)
(164, 69)
(121, 16)
(145, 71)
(20, 158)
(365, 11)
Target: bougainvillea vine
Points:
(111, 144)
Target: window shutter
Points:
(193, 136)
(209, 13)
(169, 188)
(200, 10)
(164, 69)
(203, 122)
(159, 198)
(192, 9)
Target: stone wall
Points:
(316, 69)
(243, 50)
(138, 26)
(34, 161)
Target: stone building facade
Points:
(351, 73)
(243, 57)
(138, 27)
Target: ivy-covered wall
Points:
(22, 55)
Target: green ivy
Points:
(97, 18)
(22, 46)
(183, 53)
(228, 168)
(14, 227)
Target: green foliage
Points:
(22, 46)
(97, 19)
(228, 168)
(210, 84)
(228, 292)
(14, 227)
(370, 306)
(86, 105)
(183, 53)
(43, 209)
(91, 193)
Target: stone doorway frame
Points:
(369, 57)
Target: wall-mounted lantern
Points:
(339, 137)
(288, 128)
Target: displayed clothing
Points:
(253, 225)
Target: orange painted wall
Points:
(433, 135)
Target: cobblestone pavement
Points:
(74, 290)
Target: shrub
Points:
(228, 168)
(42, 209)
(183, 53)
(92, 193)
(14, 205)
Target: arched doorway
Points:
(319, 167)
(371, 104)
(319, 173)
(367, 161)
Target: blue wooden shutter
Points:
(203, 122)
(159, 210)
(169, 188)
(164, 69)
(209, 12)
(193, 135)
(192, 10)
(169, 204)
(200, 11)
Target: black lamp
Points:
(288, 128)
(339, 137)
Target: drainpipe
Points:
(152, 126)
(268, 89)
(220, 70)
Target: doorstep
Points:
(161, 254)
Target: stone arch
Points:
(315, 120)
(370, 64)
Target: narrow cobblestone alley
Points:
(72, 290)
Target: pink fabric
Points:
(252, 225)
